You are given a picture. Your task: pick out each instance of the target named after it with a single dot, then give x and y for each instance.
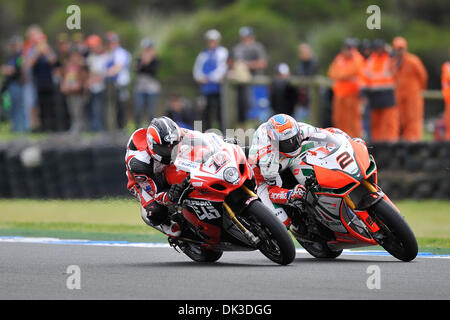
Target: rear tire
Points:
(399, 240)
(201, 255)
(319, 250)
(315, 245)
(276, 243)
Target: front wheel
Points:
(395, 235)
(275, 241)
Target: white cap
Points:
(283, 68)
(213, 34)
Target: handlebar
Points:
(310, 183)
(187, 186)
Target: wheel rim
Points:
(391, 242)
(269, 245)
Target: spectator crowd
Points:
(386, 82)
(83, 84)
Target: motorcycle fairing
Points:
(341, 169)
(328, 212)
(340, 165)
(206, 157)
(206, 230)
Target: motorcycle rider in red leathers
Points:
(277, 145)
(149, 159)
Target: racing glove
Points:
(285, 196)
(176, 190)
(296, 195)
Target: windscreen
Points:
(198, 148)
(325, 143)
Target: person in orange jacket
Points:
(445, 80)
(410, 79)
(379, 90)
(344, 71)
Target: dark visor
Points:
(290, 145)
(164, 150)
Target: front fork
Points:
(254, 240)
(362, 214)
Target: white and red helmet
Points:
(285, 133)
(163, 136)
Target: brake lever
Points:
(310, 180)
(310, 184)
(186, 190)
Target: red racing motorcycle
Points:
(219, 210)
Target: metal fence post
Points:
(315, 84)
(315, 103)
(225, 105)
(110, 110)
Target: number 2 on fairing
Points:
(344, 159)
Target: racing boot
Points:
(171, 228)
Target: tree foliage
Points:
(279, 25)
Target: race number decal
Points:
(208, 212)
(219, 160)
(204, 210)
(344, 159)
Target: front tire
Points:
(397, 238)
(276, 243)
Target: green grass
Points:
(107, 219)
(118, 219)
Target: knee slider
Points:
(156, 213)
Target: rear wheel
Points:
(319, 249)
(315, 244)
(201, 255)
(395, 235)
(275, 242)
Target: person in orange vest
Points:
(344, 71)
(365, 50)
(410, 79)
(379, 90)
(445, 80)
